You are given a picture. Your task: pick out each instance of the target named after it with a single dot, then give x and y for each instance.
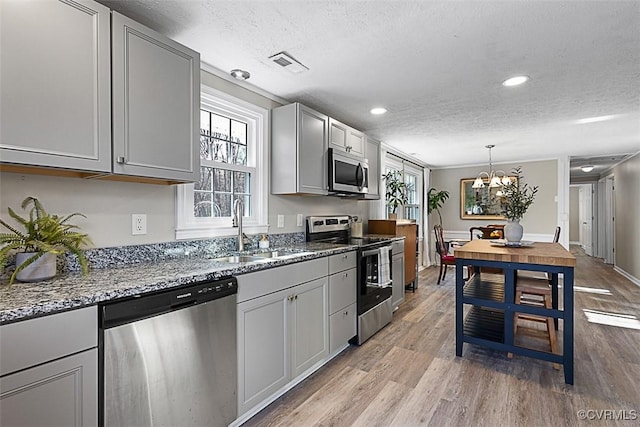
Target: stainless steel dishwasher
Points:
(170, 358)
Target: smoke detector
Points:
(286, 61)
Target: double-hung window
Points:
(233, 166)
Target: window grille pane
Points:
(205, 123)
(241, 182)
(220, 127)
(220, 150)
(202, 204)
(204, 184)
(205, 147)
(222, 180)
(238, 132)
(223, 202)
(247, 204)
(238, 154)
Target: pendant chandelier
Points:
(493, 179)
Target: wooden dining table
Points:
(489, 321)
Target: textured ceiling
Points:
(437, 67)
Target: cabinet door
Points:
(312, 152)
(355, 142)
(338, 134)
(397, 275)
(55, 84)
(373, 157)
(263, 345)
(309, 325)
(59, 393)
(156, 104)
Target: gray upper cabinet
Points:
(55, 84)
(156, 104)
(63, 62)
(346, 138)
(299, 140)
(373, 156)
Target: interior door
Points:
(586, 218)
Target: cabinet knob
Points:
(290, 298)
(346, 275)
(295, 297)
(121, 160)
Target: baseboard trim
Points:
(632, 278)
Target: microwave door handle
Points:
(360, 176)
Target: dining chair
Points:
(535, 290)
(492, 231)
(442, 250)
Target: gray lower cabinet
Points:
(49, 370)
(55, 84)
(342, 300)
(62, 64)
(299, 141)
(283, 328)
(397, 273)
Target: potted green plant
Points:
(44, 237)
(517, 198)
(396, 191)
(435, 200)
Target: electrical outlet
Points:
(138, 224)
(299, 220)
(280, 221)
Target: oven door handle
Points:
(370, 252)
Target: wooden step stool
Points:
(535, 291)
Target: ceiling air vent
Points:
(286, 61)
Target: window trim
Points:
(190, 227)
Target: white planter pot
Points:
(41, 269)
(513, 231)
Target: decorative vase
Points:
(513, 231)
(393, 216)
(41, 269)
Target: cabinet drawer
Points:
(31, 342)
(341, 262)
(259, 283)
(397, 247)
(342, 289)
(342, 327)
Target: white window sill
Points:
(206, 232)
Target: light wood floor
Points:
(408, 373)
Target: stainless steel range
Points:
(374, 279)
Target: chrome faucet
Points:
(238, 211)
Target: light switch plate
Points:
(299, 220)
(280, 221)
(138, 224)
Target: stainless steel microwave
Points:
(347, 174)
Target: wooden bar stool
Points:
(535, 292)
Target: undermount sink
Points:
(262, 256)
(236, 259)
(280, 253)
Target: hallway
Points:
(408, 373)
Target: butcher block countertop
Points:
(539, 253)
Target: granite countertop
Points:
(21, 301)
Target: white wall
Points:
(627, 216)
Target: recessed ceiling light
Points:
(587, 168)
(594, 119)
(240, 74)
(515, 81)
(378, 110)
